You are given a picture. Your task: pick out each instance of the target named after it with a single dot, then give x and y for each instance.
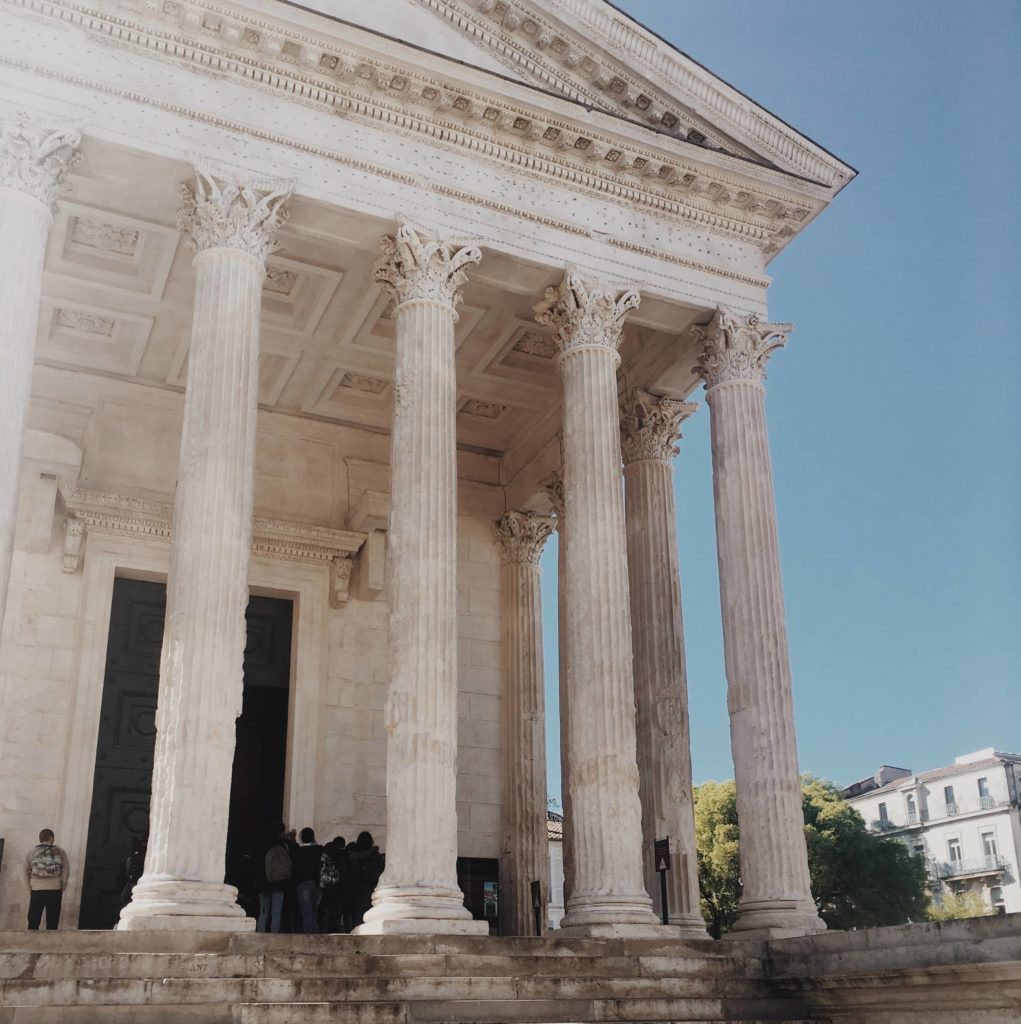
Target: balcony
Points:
(883, 825)
(987, 803)
(914, 817)
(949, 810)
(971, 866)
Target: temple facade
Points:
(317, 324)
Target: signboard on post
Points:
(662, 861)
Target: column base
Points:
(609, 917)
(170, 904)
(775, 919)
(690, 927)
(419, 910)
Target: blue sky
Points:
(894, 412)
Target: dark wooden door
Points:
(127, 736)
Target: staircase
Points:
(172, 978)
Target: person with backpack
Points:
(307, 864)
(46, 871)
(276, 871)
(334, 882)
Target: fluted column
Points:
(418, 891)
(232, 225)
(554, 487)
(649, 428)
(609, 896)
(776, 897)
(522, 536)
(34, 162)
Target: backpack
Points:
(329, 876)
(278, 864)
(47, 861)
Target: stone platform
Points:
(960, 973)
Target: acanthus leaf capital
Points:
(736, 348)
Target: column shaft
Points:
(418, 891)
(201, 669)
(525, 834)
(661, 691)
(609, 895)
(776, 897)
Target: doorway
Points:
(127, 736)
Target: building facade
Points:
(315, 326)
(964, 819)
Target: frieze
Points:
(377, 90)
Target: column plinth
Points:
(418, 892)
(34, 163)
(608, 895)
(201, 672)
(649, 428)
(776, 898)
(525, 833)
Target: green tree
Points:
(956, 905)
(858, 879)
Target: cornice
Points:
(679, 93)
(92, 511)
(328, 73)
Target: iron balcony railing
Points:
(949, 810)
(986, 802)
(914, 817)
(970, 866)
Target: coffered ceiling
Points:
(118, 292)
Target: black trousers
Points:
(44, 899)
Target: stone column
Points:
(34, 162)
(525, 835)
(232, 225)
(609, 896)
(776, 898)
(554, 487)
(418, 892)
(649, 428)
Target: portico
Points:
(248, 375)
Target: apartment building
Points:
(963, 818)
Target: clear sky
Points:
(894, 412)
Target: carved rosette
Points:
(37, 159)
(585, 312)
(224, 212)
(522, 536)
(737, 348)
(417, 268)
(651, 426)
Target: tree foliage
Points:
(953, 906)
(859, 880)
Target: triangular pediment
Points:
(594, 54)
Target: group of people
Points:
(311, 888)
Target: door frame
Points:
(109, 556)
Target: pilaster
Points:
(35, 160)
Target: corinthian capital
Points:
(522, 536)
(586, 312)
(416, 267)
(650, 426)
(737, 348)
(36, 159)
(223, 211)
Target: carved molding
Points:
(522, 536)
(224, 211)
(415, 267)
(340, 580)
(90, 511)
(553, 485)
(736, 348)
(324, 71)
(651, 426)
(37, 159)
(585, 312)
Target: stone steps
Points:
(147, 978)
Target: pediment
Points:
(596, 55)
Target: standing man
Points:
(46, 871)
